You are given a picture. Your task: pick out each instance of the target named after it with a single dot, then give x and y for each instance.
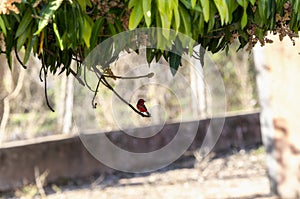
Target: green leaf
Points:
(165, 15)
(177, 19)
(244, 4)
(232, 6)
(95, 31)
(2, 26)
(158, 55)
(88, 24)
(244, 19)
(174, 5)
(193, 2)
(9, 60)
(174, 62)
(252, 2)
(22, 39)
(205, 8)
(112, 28)
(29, 46)
(150, 54)
(186, 19)
(26, 19)
(262, 9)
(58, 37)
(223, 10)
(132, 3)
(187, 4)
(136, 15)
(211, 21)
(47, 13)
(201, 25)
(161, 41)
(84, 3)
(9, 44)
(147, 11)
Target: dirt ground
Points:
(235, 175)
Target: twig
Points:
(40, 180)
(19, 60)
(49, 51)
(95, 94)
(222, 34)
(76, 59)
(40, 74)
(85, 81)
(149, 75)
(78, 78)
(105, 83)
(45, 86)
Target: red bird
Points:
(141, 107)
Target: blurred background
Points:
(238, 170)
(27, 115)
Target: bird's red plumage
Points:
(141, 106)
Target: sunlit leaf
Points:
(2, 26)
(223, 10)
(132, 3)
(88, 24)
(136, 15)
(147, 11)
(193, 2)
(47, 13)
(84, 3)
(58, 37)
(186, 19)
(206, 9)
(244, 19)
(165, 15)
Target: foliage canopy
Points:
(58, 31)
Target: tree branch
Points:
(106, 84)
(149, 75)
(45, 86)
(19, 60)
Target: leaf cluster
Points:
(58, 31)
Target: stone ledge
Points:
(66, 157)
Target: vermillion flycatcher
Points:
(141, 107)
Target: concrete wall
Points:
(67, 157)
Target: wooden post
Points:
(278, 79)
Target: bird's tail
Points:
(148, 114)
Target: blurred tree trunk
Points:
(198, 98)
(2, 88)
(12, 90)
(65, 104)
(241, 67)
(278, 83)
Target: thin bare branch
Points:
(94, 104)
(45, 86)
(105, 83)
(19, 60)
(149, 75)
